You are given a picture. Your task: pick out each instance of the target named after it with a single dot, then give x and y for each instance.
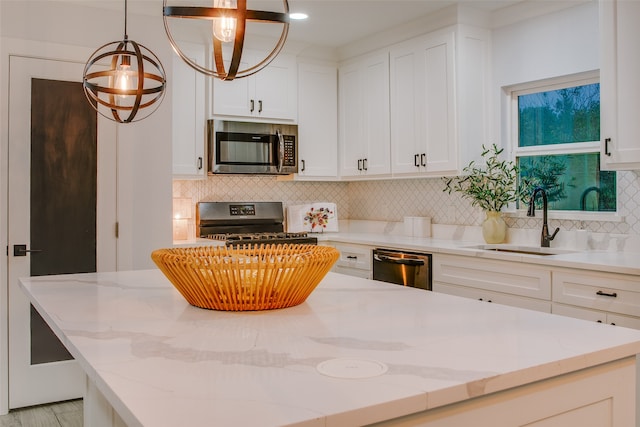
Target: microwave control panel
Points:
(289, 150)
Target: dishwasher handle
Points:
(395, 260)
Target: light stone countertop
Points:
(161, 362)
(447, 241)
(603, 261)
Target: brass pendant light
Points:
(229, 20)
(131, 86)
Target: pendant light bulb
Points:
(224, 28)
(125, 78)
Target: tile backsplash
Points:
(392, 200)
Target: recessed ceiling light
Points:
(298, 16)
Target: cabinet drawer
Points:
(596, 316)
(616, 293)
(354, 256)
(499, 276)
(493, 297)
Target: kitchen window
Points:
(556, 129)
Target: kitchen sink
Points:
(524, 250)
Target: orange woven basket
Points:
(246, 278)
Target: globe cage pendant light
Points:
(225, 15)
(131, 87)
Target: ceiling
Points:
(331, 23)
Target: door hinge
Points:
(117, 229)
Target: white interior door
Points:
(39, 381)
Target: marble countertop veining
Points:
(161, 362)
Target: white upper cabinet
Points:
(269, 95)
(317, 121)
(619, 84)
(188, 114)
(439, 113)
(364, 138)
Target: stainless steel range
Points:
(246, 223)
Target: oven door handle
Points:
(394, 260)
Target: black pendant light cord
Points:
(126, 36)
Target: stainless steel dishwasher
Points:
(402, 268)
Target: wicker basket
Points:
(246, 278)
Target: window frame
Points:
(511, 94)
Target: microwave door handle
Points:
(280, 150)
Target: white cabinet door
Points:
(317, 121)
(616, 293)
(493, 297)
(619, 84)
(188, 119)
(270, 94)
(423, 103)
(364, 137)
(493, 275)
(354, 260)
(276, 89)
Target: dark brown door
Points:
(63, 194)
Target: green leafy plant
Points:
(491, 186)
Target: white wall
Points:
(557, 44)
(144, 148)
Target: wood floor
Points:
(63, 414)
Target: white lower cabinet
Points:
(601, 396)
(596, 316)
(602, 297)
(502, 282)
(494, 297)
(590, 295)
(355, 260)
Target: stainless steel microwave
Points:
(251, 148)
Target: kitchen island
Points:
(356, 352)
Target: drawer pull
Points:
(607, 294)
(352, 257)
